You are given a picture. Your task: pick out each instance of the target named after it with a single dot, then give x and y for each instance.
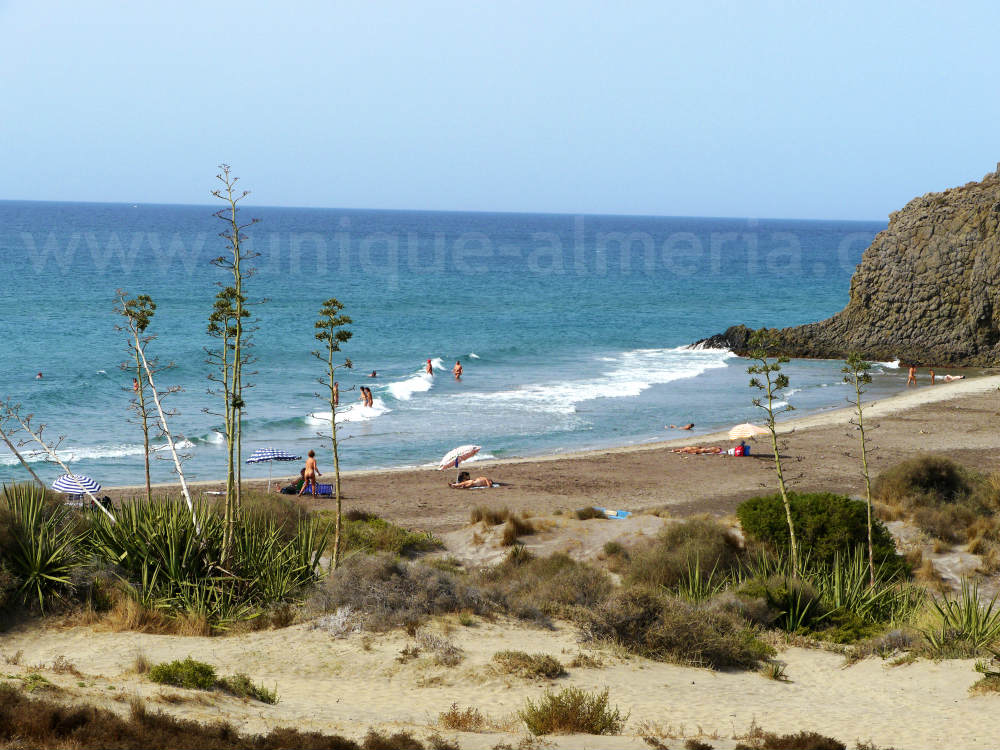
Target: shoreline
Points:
(923, 395)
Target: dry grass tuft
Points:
(489, 516)
(586, 514)
(572, 711)
(514, 528)
(62, 665)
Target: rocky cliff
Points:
(927, 289)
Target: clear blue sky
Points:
(701, 109)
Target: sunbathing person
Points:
(949, 378)
(464, 482)
(697, 450)
(687, 426)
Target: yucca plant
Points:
(45, 548)
(698, 587)
(848, 584)
(967, 626)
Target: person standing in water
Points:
(336, 393)
(429, 369)
(135, 384)
(457, 370)
(911, 378)
(310, 473)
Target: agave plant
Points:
(846, 586)
(45, 548)
(696, 586)
(967, 626)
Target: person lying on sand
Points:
(687, 426)
(465, 483)
(697, 449)
(949, 378)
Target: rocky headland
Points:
(927, 290)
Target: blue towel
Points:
(616, 514)
(321, 490)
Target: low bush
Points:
(588, 513)
(925, 481)
(534, 588)
(369, 533)
(462, 720)
(700, 549)
(795, 600)
(530, 666)
(572, 711)
(825, 525)
(27, 721)
(185, 673)
(803, 740)
(243, 687)
(665, 628)
(385, 592)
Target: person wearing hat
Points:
(429, 369)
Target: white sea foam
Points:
(894, 365)
(403, 390)
(353, 413)
(72, 455)
(473, 355)
(633, 372)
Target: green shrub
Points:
(803, 740)
(369, 533)
(825, 525)
(666, 628)
(572, 711)
(796, 600)
(531, 666)
(243, 687)
(686, 554)
(186, 673)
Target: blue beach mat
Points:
(616, 514)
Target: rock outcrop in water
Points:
(927, 289)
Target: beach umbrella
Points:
(454, 457)
(747, 430)
(75, 484)
(269, 455)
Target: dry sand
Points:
(348, 684)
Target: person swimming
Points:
(687, 426)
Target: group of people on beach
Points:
(911, 376)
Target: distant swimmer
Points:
(911, 378)
(336, 393)
(429, 369)
(949, 378)
(135, 384)
(39, 375)
(457, 369)
(932, 376)
(373, 374)
(687, 426)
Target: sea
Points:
(574, 331)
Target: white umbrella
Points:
(455, 456)
(747, 430)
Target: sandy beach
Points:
(347, 684)
(952, 419)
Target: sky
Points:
(756, 109)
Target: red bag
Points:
(738, 450)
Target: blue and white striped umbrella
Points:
(271, 454)
(261, 455)
(75, 484)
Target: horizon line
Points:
(440, 211)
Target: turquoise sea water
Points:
(570, 328)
